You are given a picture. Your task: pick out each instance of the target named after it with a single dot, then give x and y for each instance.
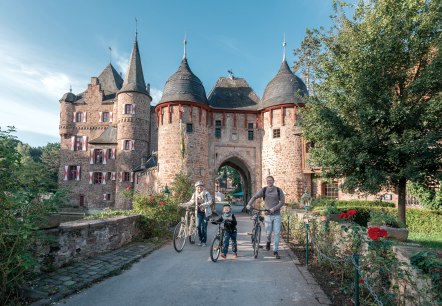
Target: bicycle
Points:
(185, 228)
(218, 242)
(256, 231)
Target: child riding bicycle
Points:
(230, 230)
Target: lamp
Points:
(166, 190)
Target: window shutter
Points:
(113, 153)
(133, 109)
(132, 144)
(124, 108)
(111, 116)
(132, 177)
(66, 173)
(121, 176)
(78, 173)
(74, 116)
(91, 174)
(91, 155)
(113, 176)
(84, 117)
(122, 145)
(84, 144)
(104, 157)
(103, 181)
(100, 116)
(104, 197)
(72, 143)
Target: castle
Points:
(112, 139)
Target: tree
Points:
(376, 118)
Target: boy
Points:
(230, 230)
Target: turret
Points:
(133, 113)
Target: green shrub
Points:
(323, 202)
(429, 198)
(431, 264)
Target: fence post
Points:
(306, 249)
(356, 262)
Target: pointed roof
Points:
(284, 88)
(109, 136)
(134, 80)
(231, 92)
(110, 80)
(183, 85)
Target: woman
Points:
(202, 200)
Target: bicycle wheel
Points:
(192, 231)
(215, 249)
(179, 236)
(257, 241)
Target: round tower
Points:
(182, 115)
(133, 113)
(282, 143)
(67, 113)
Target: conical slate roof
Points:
(284, 88)
(110, 80)
(134, 80)
(183, 85)
(109, 136)
(234, 93)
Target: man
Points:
(203, 200)
(274, 200)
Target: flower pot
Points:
(398, 234)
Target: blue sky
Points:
(48, 45)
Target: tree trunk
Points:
(401, 190)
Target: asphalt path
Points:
(166, 277)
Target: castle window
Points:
(189, 128)
(126, 176)
(250, 126)
(98, 177)
(78, 143)
(107, 196)
(250, 135)
(108, 176)
(129, 109)
(78, 117)
(218, 128)
(106, 117)
(98, 156)
(276, 133)
(109, 154)
(81, 200)
(127, 144)
(331, 190)
(72, 173)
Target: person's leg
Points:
(199, 223)
(277, 230)
(204, 229)
(226, 242)
(234, 245)
(268, 227)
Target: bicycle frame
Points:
(186, 228)
(218, 242)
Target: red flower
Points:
(342, 215)
(162, 204)
(376, 232)
(361, 281)
(347, 215)
(152, 200)
(128, 188)
(352, 212)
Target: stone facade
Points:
(113, 139)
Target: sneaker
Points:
(276, 255)
(223, 256)
(268, 246)
(203, 244)
(200, 243)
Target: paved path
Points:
(166, 277)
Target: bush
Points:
(429, 198)
(323, 202)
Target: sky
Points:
(46, 46)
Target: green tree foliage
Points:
(232, 174)
(376, 116)
(24, 202)
(430, 198)
(182, 188)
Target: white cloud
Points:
(156, 95)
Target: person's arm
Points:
(234, 220)
(208, 200)
(257, 195)
(190, 202)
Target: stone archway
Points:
(239, 165)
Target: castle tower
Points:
(133, 109)
(282, 144)
(183, 118)
(66, 114)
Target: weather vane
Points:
(185, 43)
(230, 72)
(110, 55)
(136, 26)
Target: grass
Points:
(427, 240)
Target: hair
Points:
(270, 177)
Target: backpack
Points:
(264, 193)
